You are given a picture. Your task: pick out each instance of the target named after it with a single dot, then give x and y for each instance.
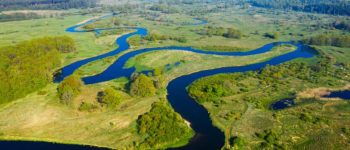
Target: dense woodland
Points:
(334, 7)
(28, 66)
(45, 4)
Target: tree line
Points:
(45, 4)
(28, 66)
(334, 7)
(329, 40)
(220, 31)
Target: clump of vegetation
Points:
(270, 139)
(155, 36)
(28, 66)
(237, 142)
(220, 31)
(274, 35)
(142, 86)
(69, 88)
(87, 107)
(135, 40)
(329, 40)
(233, 33)
(162, 126)
(110, 97)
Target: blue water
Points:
(207, 136)
(339, 94)
(282, 104)
(29, 145)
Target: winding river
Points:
(207, 135)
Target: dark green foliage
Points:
(220, 31)
(220, 48)
(45, 4)
(233, 33)
(28, 66)
(237, 142)
(87, 107)
(161, 125)
(270, 139)
(142, 86)
(69, 88)
(329, 40)
(275, 35)
(346, 131)
(110, 97)
(335, 7)
(155, 36)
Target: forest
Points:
(28, 66)
(45, 4)
(334, 7)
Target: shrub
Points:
(69, 88)
(142, 86)
(110, 97)
(87, 107)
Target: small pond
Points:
(282, 104)
(339, 94)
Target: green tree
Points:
(69, 88)
(110, 97)
(142, 86)
(233, 33)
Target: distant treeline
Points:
(334, 7)
(45, 4)
(18, 16)
(28, 66)
(329, 40)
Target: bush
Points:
(110, 97)
(87, 107)
(142, 86)
(69, 88)
(233, 33)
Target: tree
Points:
(142, 86)
(233, 33)
(69, 88)
(110, 97)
